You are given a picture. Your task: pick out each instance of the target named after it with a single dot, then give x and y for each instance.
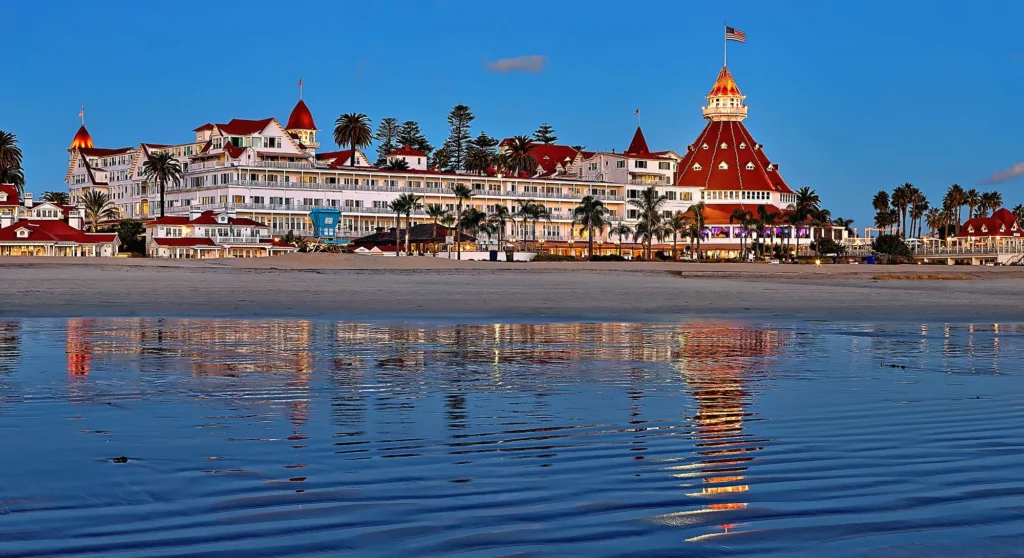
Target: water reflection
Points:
(500, 436)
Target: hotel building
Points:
(274, 174)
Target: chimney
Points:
(6, 220)
(75, 219)
(28, 200)
(194, 213)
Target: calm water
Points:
(288, 438)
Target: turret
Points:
(301, 126)
(82, 139)
(725, 102)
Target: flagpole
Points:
(725, 47)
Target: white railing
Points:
(649, 182)
(239, 239)
(968, 250)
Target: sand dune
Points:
(421, 288)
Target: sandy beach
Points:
(423, 288)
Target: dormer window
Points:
(696, 166)
(22, 233)
(705, 146)
(3, 196)
(771, 167)
(984, 228)
(743, 145)
(750, 166)
(724, 145)
(723, 166)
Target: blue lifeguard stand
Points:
(325, 225)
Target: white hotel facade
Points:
(275, 173)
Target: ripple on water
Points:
(293, 437)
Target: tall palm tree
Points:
(845, 223)
(98, 207)
(517, 155)
(436, 211)
(794, 219)
(409, 203)
(819, 220)
(991, 201)
(353, 129)
(162, 168)
(954, 200)
(10, 160)
(741, 216)
(972, 199)
(768, 220)
(591, 214)
(478, 161)
(622, 230)
(881, 201)
(60, 198)
(500, 218)
(1018, 212)
(917, 211)
(899, 200)
(678, 223)
(394, 164)
(648, 207)
(473, 220)
(397, 206)
(462, 193)
(697, 210)
(934, 219)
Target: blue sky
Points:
(848, 97)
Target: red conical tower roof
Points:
(639, 143)
(300, 118)
(725, 84)
(82, 139)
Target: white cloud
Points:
(1004, 175)
(528, 63)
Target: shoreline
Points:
(365, 288)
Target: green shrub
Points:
(891, 245)
(828, 246)
(609, 258)
(542, 257)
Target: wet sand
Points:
(424, 288)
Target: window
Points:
(670, 195)
(750, 166)
(620, 164)
(723, 166)
(640, 164)
(704, 147)
(743, 145)
(686, 196)
(665, 166)
(592, 166)
(632, 194)
(696, 166)
(724, 145)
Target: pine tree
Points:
(410, 134)
(483, 142)
(387, 138)
(481, 153)
(545, 134)
(458, 140)
(442, 159)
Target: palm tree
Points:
(917, 211)
(462, 194)
(162, 168)
(500, 218)
(478, 161)
(657, 230)
(794, 219)
(972, 199)
(1018, 212)
(741, 216)
(881, 201)
(677, 223)
(395, 164)
(845, 223)
(436, 211)
(768, 222)
(885, 219)
(954, 201)
(819, 220)
(472, 220)
(59, 198)
(698, 219)
(591, 214)
(621, 230)
(10, 159)
(14, 176)
(991, 201)
(409, 203)
(530, 210)
(517, 154)
(397, 206)
(934, 219)
(648, 207)
(353, 129)
(98, 207)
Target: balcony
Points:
(239, 240)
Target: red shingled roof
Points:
(724, 84)
(639, 143)
(1001, 223)
(12, 195)
(300, 118)
(548, 155)
(737, 176)
(208, 217)
(206, 126)
(52, 231)
(407, 151)
(101, 152)
(240, 127)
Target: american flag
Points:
(735, 35)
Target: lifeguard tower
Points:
(325, 228)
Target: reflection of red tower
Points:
(716, 365)
(78, 349)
